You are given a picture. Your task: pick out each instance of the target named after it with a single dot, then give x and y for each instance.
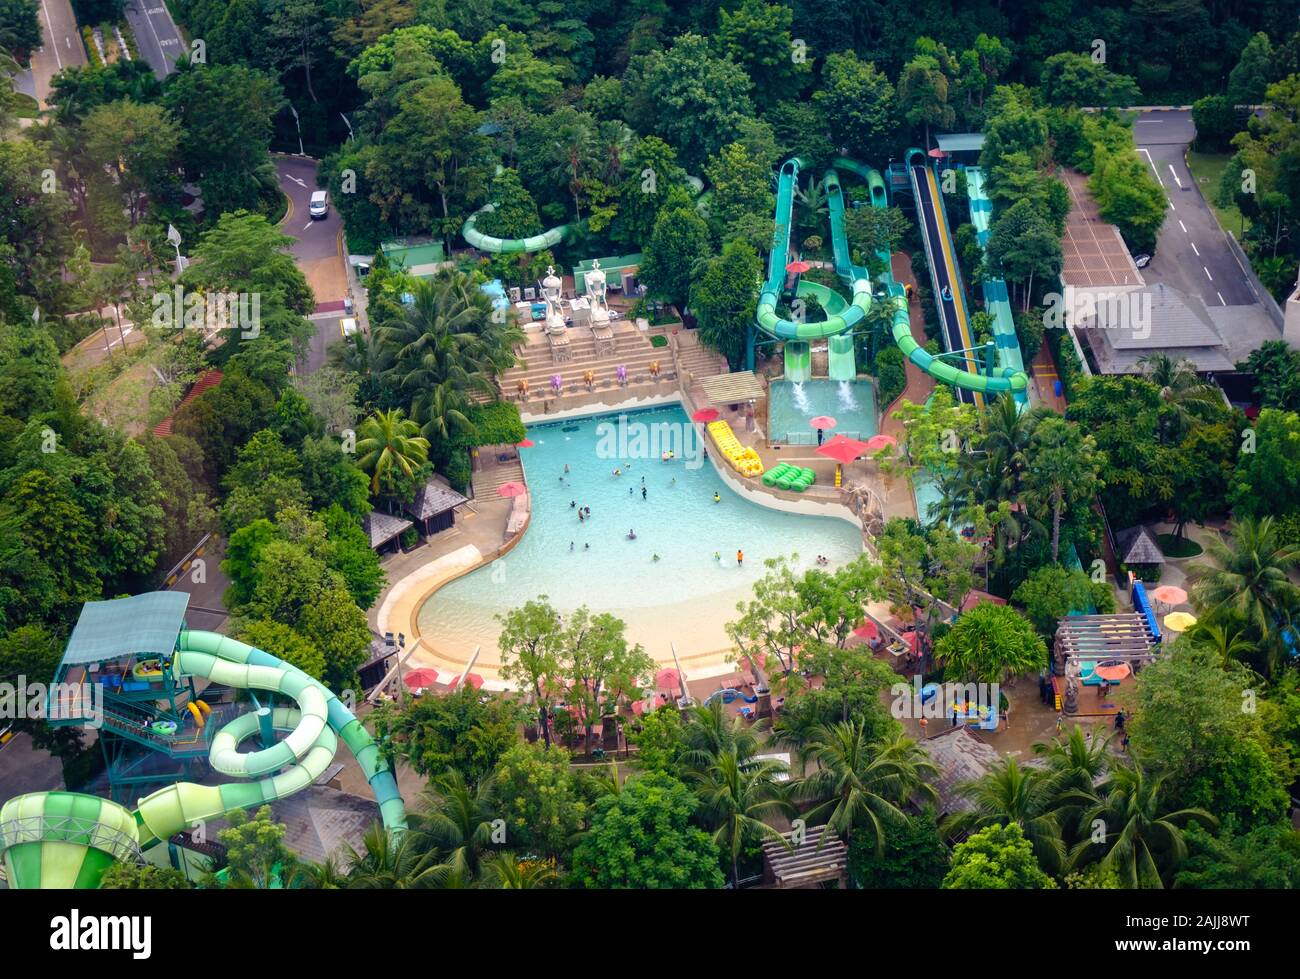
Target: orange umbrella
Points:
(1113, 671)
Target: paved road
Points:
(1192, 252)
(318, 250)
(156, 34)
(62, 48)
(25, 768)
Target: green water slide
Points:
(841, 316)
(943, 265)
(506, 246)
(66, 839)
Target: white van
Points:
(319, 204)
(348, 326)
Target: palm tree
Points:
(710, 733)
(388, 442)
(1011, 793)
(1064, 470)
(1250, 575)
(1180, 386)
(1228, 641)
(458, 822)
(444, 346)
(326, 876)
(506, 872)
(1136, 832)
(390, 861)
(858, 782)
(737, 799)
(1075, 761)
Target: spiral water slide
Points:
(841, 317)
(66, 839)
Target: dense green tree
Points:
(1052, 592)
(723, 297)
(990, 643)
(923, 94)
(538, 798)
(123, 876)
(1277, 375)
(642, 837)
(680, 240)
(1266, 480)
(1254, 71)
(1064, 471)
(459, 730)
(996, 858)
(1076, 79)
(388, 445)
(742, 197)
(1266, 856)
(858, 104)
(757, 37)
(20, 30)
(283, 641)
(913, 858)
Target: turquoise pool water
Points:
(686, 593)
(790, 407)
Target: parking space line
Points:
(1195, 249)
(1221, 299)
(1207, 274)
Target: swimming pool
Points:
(790, 407)
(686, 596)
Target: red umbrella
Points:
(473, 679)
(798, 266)
(706, 415)
(868, 630)
(842, 449)
(421, 678)
(878, 442)
(525, 444)
(938, 153)
(822, 421)
(512, 489)
(668, 679)
(641, 706)
(913, 639)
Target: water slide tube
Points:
(797, 334)
(66, 839)
(935, 229)
(506, 246)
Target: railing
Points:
(70, 829)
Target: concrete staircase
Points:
(696, 360)
(493, 475)
(634, 352)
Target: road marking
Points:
(289, 176)
(1175, 176)
(55, 46)
(1207, 274)
(1195, 249)
(1221, 299)
(1183, 226)
(167, 67)
(307, 226)
(1147, 154)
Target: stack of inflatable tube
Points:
(744, 460)
(788, 477)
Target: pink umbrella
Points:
(705, 415)
(525, 444)
(512, 489)
(668, 680)
(421, 678)
(822, 421)
(878, 442)
(1169, 595)
(473, 679)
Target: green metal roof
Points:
(960, 142)
(147, 623)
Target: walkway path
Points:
(1044, 373)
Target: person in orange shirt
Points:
(740, 557)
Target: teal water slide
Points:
(67, 839)
(841, 316)
(997, 301)
(944, 272)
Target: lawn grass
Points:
(1174, 547)
(1208, 169)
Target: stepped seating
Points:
(642, 362)
(741, 458)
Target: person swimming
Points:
(655, 558)
(717, 555)
(618, 472)
(581, 516)
(570, 545)
(717, 498)
(572, 504)
(631, 535)
(674, 482)
(587, 546)
(566, 468)
(629, 491)
(643, 492)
